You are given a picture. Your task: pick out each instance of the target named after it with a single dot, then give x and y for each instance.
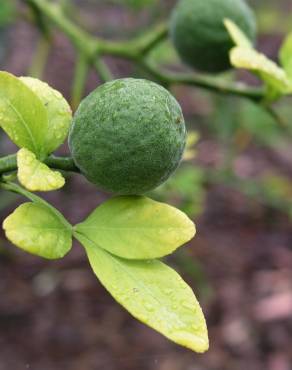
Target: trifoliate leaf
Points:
(237, 35)
(34, 228)
(137, 227)
(154, 294)
(35, 175)
(22, 115)
(274, 76)
(58, 111)
(286, 55)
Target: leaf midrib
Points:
(131, 277)
(128, 228)
(24, 124)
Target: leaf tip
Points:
(196, 343)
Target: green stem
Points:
(103, 70)
(38, 19)
(80, 75)
(43, 46)
(151, 39)
(83, 41)
(203, 81)
(14, 188)
(278, 119)
(9, 163)
(62, 163)
(158, 75)
(40, 58)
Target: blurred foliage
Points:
(135, 4)
(259, 123)
(185, 188)
(7, 12)
(190, 150)
(7, 16)
(270, 20)
(233, 119)
(240, 125)
(164, 53)
(272, 189)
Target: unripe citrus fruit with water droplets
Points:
(199, 35)
(128, 136)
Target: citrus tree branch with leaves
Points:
(127, 137)
(136, 50)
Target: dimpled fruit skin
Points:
(128, 136)
(199, 35)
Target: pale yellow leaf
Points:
(268, 70)
(35, 175)
(58, 112)
(237, 35)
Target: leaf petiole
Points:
(14, 188)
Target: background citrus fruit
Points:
(199, 35)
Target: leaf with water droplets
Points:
(38, 230)
(286, 55)
(153, 293)
(58, 111)
(274, 76)
(22, 115)
(35, 175)
(136, 227)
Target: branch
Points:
(103, 70)
(14, 188)
(40, 57)
(82, 40)
(203, 81)
(136, 50)
(150, 39)
(9, 164)
(79, 81)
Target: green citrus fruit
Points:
(199, 35)
(128, 136)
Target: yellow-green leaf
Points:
(35, 175)
(37, 230)
(274, 76)
(58, 111)
(154, 294)
(22, 115)
(286, 55)
(190, 150)
(237, 35)
(137, 227)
